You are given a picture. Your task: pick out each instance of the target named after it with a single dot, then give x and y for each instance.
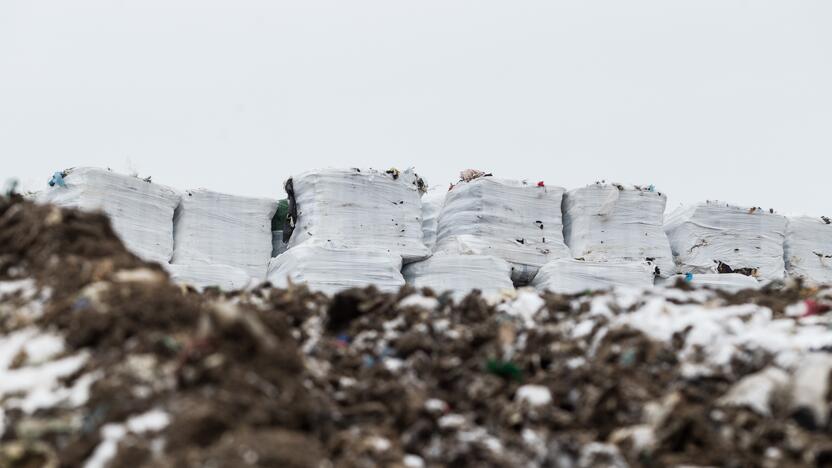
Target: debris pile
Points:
(105, 362)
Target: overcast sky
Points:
(720, 99)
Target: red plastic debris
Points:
(813, 308)
(541, 184)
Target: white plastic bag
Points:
(140, 212)
(516, 221)
(611, 222)
(216, 228)
(570, 276)
(329, 268)
(808, 249)
(360, 209)
(713, 236)
(460, 274)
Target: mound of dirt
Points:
(105, 362)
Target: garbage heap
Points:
(351, 227)
(104, 362)
(808, 249)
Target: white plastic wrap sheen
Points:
(808, 249)
(214, 228)
(460, 274)
(330, 269)
(225, 277)
(431, 207)
(360, 209)
(515, 221)
(141, 213)
(570, 276)
(705, 234)
(616, 223)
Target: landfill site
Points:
(366, 319)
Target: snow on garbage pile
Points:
(731, 282)
(570, 276)
(225, 277)
(460, 274)
(431, 207)
(220, 229)
(516, 221)
(140, 212)
(715, 237)
(808, 249)
(360, 208)
(330, 268)
(611, 222)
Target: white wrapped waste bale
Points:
(571, 276)
(216, 228)
(140, 212)
(808, 249)
(730, 282)
(460, 274)
(329, 268)
(714, 237)
(360, 209)
(431, 207)
(611, 222)
(512, 220)
(225, 277)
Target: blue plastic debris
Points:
(57, 179)
(688, 277)
(651, 188)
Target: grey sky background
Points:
(722, 99)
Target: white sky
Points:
(717, 99)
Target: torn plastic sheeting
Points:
(431, 207)
(705, 234)
(611, 222)
(140, 212)
(516, 221)
(215, 228)
(808, 249)
(329, 268)
(730, 282)
(360, 209)
(203, 275)
(460, 274)
(570, 276)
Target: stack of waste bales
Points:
(716, 237)
(213, 228)
(516, 221)
(808, 249)
(431, 207)
(204, 275)
(460, 274)
(363, 221)
(730, 282)
(616, 223)
(140, 212)
(571, 276)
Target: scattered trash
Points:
(57, 179)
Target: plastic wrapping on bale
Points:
(227, 278)
(460, 274)
(330, 268)
(715, 237)
(216, 228)
(140, 212)
(616, 223)
(808, 249)
(730, 282)
(431, 207)
(515, 221)
(360, 209)
(570, 276)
